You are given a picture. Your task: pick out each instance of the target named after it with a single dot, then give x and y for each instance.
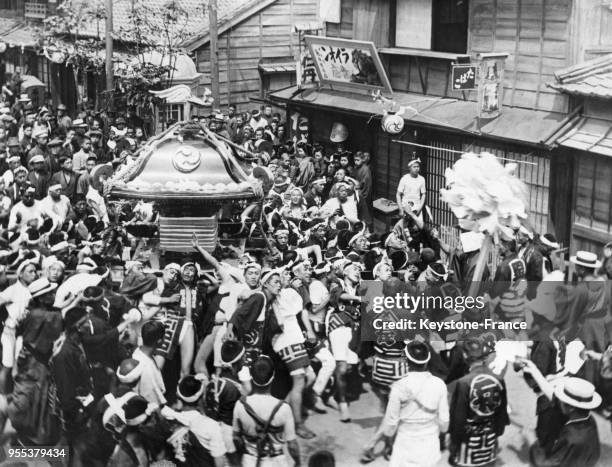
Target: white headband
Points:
(132, 376)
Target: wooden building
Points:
(257, 48)
(586, 143)
(257, 43)
(418, 41)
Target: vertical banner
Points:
(306, 73)
(491, 85)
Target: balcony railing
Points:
(35, 10)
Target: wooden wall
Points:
(592, 26)
(344, 29)
(536, 34)
(267, 34)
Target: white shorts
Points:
(228, 437)
(339, 340)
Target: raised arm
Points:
(223, 274)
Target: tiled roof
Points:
(591, 78)
(589, 134)
(196, 24)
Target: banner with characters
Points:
(491, 85)
(348, 63)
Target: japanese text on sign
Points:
(464, 77)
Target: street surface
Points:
(346, 441)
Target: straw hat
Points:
(586, 259)
(577, 392)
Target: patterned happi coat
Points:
(478, 417)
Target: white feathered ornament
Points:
(485, 195)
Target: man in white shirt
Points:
(257, 121)
(417, 412)
(29, 210)
(411, 190)
(151, 385)
(204, 429)
(57, 203)
(342, 205)
(79, 159)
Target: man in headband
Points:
(411, 190)
(211, 449)
(341, 324)
(57, 203)
(417, 412)
(313, 196)
(224, 390)
(259, 411)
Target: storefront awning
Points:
(589, 134)
(515, 124)
(30, 81)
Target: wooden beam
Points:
(214, 52)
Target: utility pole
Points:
(109, 47)
(214, 51)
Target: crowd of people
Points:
(220, 359)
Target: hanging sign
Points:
(348, 63)
(464, 77)
(491, 85)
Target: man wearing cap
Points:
(14, 148)
(478, 410)
(64, 122)
(41, 137)
(411, 190)
(262, 415)
(20, 183)
(38, 176)
(57, 203)
(577, 443)
(52, 163)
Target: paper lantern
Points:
(392, 123)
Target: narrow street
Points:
(346, 441)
